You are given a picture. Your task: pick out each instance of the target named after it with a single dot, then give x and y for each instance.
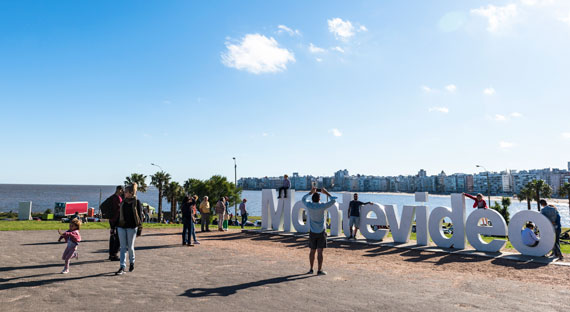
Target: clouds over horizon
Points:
(257, 54)
(342, 29)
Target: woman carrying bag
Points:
(130, 226)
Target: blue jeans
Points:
(127, 238)
(187, 230)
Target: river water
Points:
(45, 196)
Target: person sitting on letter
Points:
(286, 185)
(479, 203)
(317, 233)
(528, 237)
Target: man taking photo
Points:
(317, 219)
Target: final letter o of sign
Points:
(547, 237)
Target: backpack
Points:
(106, 208)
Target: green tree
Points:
(526, 193)
(505, 203)
(160, 179)
(139, 179)
(218, 186)
(540, 187)
(565, 191)
(174, 193)
(195, 187)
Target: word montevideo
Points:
(284, 214)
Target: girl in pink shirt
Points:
(72, 238)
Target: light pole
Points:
(153, 164)
(488, 185)
(235, 183)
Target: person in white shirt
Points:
(528, 236)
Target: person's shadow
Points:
(230, 290)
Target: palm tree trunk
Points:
(538, 199)
(528, 203)
(173, 210)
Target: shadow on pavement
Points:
(49, 265)
(231, 290)
(162, 234)
(62, 242)
(518, 265)
(49, 281)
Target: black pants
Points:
(114, 244)
(243, 219)
(284, 189)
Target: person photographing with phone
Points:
(317, 218)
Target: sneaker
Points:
(196, 243)
(65, 271)
(190, 245)
(114, 258)
(321, 273)
(350, 237)
(310, 271)
(131, 267)
(121, 271)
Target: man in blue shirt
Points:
(317, 219)
(553, 215)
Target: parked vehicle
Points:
(70, 208)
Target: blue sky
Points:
(92, 91)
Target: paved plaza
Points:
(261, 272)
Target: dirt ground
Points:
(259, 272)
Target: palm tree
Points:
(526, 193)
(139, 179)
(160, 179)
(540, 188)
(173, 193)
(565, 191)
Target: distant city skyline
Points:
(92, 91)
(507, 182)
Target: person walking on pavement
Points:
(221, 212)
(114, 243)
(243, 212)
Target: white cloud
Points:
(265, 134)
(451, 88)
(362, 28)
(498, 17)
(565, 19)
(489, 91)
(566, 135)
(439, 109)
(335, 132)
(291, 32)
(337, 48)
(257, 54)
(499, 117)
(506, 145)
(516, 115)
(314, 49)
(427, 89)
(318, 59)
(340, 28)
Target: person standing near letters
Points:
(317, 234)
(129, 226)
(354, 214)
(243, 212)
(114, 243)
(205, 215)
(221, 212)
(550, 212)
(286, 185)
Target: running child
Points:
(72, 238)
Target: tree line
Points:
(174, 192)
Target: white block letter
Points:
(422, 218)
(400, 228)
(474, 231)
(457, 216)
(297, 218)
(547, 236)
(366, 221)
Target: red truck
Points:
(70, 208)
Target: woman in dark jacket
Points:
(129, 226)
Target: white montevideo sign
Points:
(285, 214)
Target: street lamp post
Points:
(153, 164)
(488, 185)
(235, 183)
